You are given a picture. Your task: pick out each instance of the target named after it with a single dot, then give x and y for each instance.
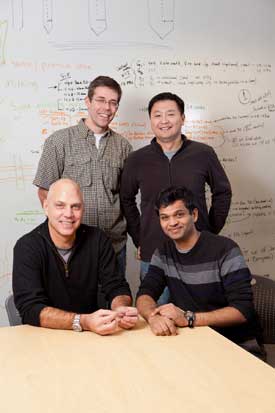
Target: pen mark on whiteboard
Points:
(244, 96)
(17, 14)
(48, 15)
(3, 39)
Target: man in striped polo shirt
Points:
(208, 279)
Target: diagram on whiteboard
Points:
(161, 16)
(97, 16)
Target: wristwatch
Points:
(76, 323)
(190, 317)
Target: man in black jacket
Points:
(170, 159)
(58, 266)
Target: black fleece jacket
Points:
(149, 170)
(41, 277)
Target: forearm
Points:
(146, 305)
(51, 317)
(222, 317)
(121, 301)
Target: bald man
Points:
(57, 268)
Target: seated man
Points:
(57, 268)
(208, 279)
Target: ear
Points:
(87, 102)
(183, 118)
(45, 207)
(195, 214)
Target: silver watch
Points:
(76, 323)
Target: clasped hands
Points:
(106, 322)
(165, 319)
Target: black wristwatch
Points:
(190, 317)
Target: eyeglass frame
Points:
(102, 101)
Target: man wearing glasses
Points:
(93, 155)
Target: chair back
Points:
(13, 314)
(264, 301)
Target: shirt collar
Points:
(84, 131)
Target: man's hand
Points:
(138, 256)
(127, 316)
(102, 322)
(161, 325)
(173, 313)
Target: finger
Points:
(126, 325)
(109, 328)
(103, 312)
(172, 327)
(155, 311)
(106, 319)
(131, 311)
(128, 321)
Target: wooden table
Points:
(51, 371)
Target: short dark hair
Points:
(104, 81)
(172, 194)
(166, 96)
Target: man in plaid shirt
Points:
(93, 155)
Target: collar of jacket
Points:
(156, 146)
(43, 230)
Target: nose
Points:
(68, 211)
(164, 119)
(172, 222)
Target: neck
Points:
(60, 241)
(189, 243)
(171, 146)
(94, 128)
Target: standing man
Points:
(170, 159)
(93, 155)
(208, 279)
(57, 268)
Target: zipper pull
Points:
(66, 270)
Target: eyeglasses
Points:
(102, 102)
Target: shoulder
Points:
(119, 139)
(221, 244)
(30, 240)
(198, 147)
(140, 154)
(93, 233)
(61, 136)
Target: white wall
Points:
(217, 55)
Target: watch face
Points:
(190, 317)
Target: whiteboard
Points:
(217, 55)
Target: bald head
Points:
(64, 209)
(64, 185)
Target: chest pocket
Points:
(79, 169)
(111, 174)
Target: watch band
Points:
(190, 317)
(76, 326)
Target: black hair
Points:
(166, 96)
(172, 194)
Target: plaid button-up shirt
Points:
(72, 153)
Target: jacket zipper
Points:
(65, 264)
